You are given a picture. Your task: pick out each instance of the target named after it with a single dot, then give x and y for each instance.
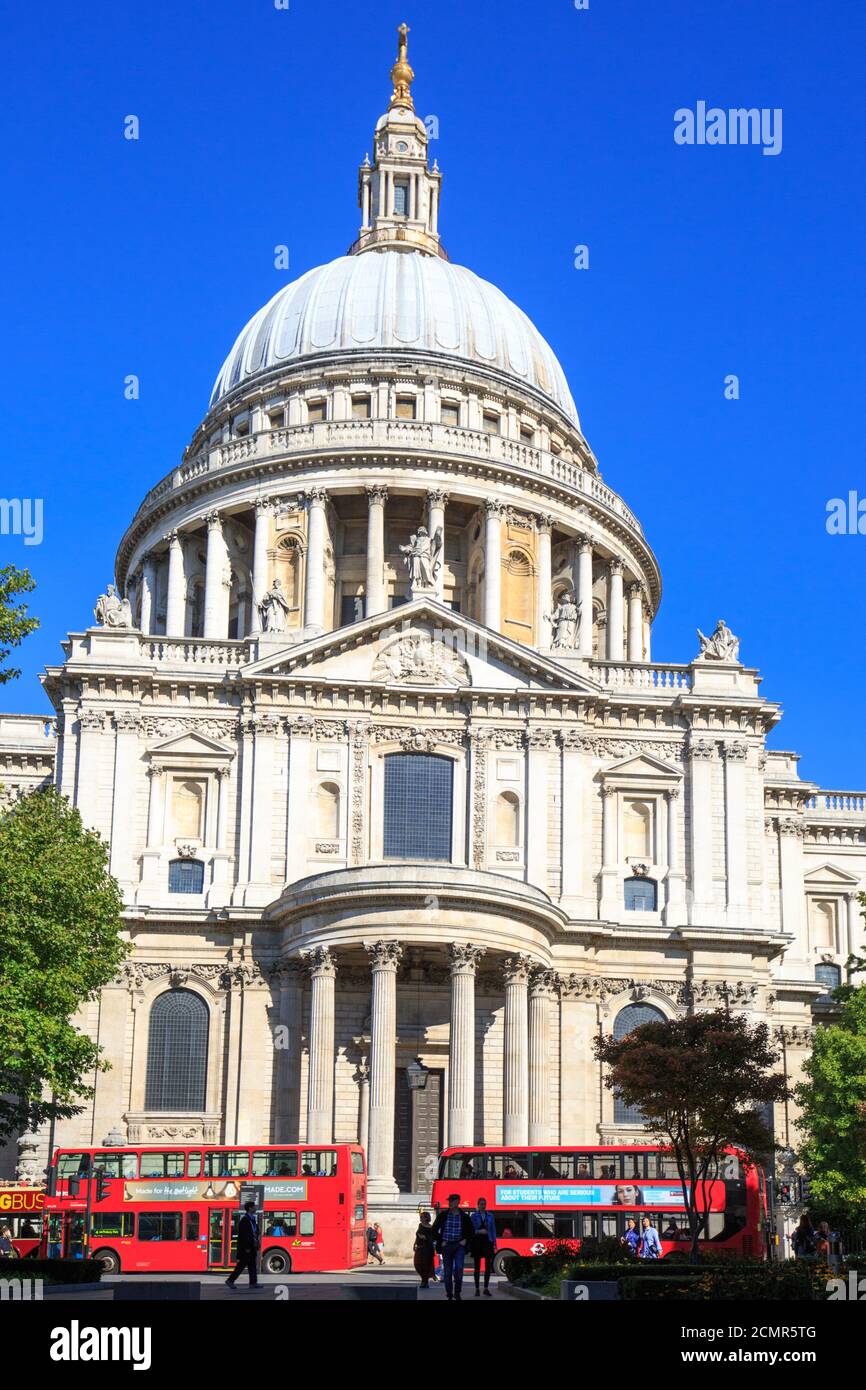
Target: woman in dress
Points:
(425, 1250)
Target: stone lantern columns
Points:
(215, 585)
(314, 578)
(260, 560)
(614, 610)
(544, 595)
(492, 564)
(436, 501)
(583, 590)
(175, 613)
(375, 600)
(635, 622)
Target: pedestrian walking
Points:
(374, 1233)
(631, 1236)
(453, 1231)
(483, 1245)
(649, 1246)
(248, 1247)
(7, 1249)
(425, 1250)
(804, 1239)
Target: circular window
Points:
(402, 146)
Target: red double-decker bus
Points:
(541, 1196)
(177, 1208)
(21, 1209)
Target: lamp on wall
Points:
(416, 1075)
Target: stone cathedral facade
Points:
(372, 724)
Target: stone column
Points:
(265, 728)
(126, 755)
(493, 564)
(175, 612)
(675, 915)
(791, 832)
(515, 1080)
(461, 1055)
(583, 590)
(614, 610)
(375, 599)
(148, 590)
(736, 757)
(362, 1076)
(611, 902)
(542, 984)
(314, 579)
(219, 893)
(436, 502)
(287, 1055)
(215, 626)
(320, 1086)
(702, 756)
(635, 622)
(539, 742)
(260, 560)
(647, 634)
(384, 959)
(543, 597)
(155, 776)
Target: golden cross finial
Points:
(401, 73)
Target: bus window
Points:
(608, 1223)
(319, 1163)
(514, 1166)
(511, 1225)
(608, 1165)
(584, 1226)
(162, 1164)
(227, 1164)
(464, 1166)
(112, 1223)
(160, 1225)
(564, 1226)
(72, 1165)
(117, 1165)
(274, 1163)
(583, 1165)
(633, 1166)
(191, 1229)
(547, 1166)
(357, 1163)
(663, 1166)
(307, 1225)
(543, 1223)
(193, 1165)
(672, 1226)
(281, 1223)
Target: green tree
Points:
(699, 1082)
(832, 1101)
(14, 622)
(60, 941)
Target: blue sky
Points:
(555, 129)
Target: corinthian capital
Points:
(464, 957)
(384, 955)
(320, 962)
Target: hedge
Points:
(776, 1283)
(53, 1271)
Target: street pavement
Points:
(386, 1283)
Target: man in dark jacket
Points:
(452, 1232)
(248, 1247)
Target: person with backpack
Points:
(804, 1239)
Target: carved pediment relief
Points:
(419, 658)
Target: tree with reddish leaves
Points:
(700, 1083)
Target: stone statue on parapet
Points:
(422, 558)
(274, 609)
(113, 611)
(722, 646)
(566, 621)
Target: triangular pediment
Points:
(190, 746)
(421, 644)
(641, 765)
(828, 874)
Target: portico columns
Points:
(614, 610)
(260, 560)
(148, 591)
(492, 564)
(384, 959)
(374, 592)
(320, 1087)
(584, 594)
(175, 611)
(461, 1064)
(543, 598)
(542, 984)
(314, 579)
(436, 500)
(515, 1083)
(635, 622)
(215, 617)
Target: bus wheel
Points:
(109, 1260)
(499, 1260)
(277, 1262)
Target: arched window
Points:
(831, 977)
(328, 810)
(629, 1018)
(177, 1052)
(418, 806)
(641, 894)
(187, 804)
(186, 876)
(507, 820)
(637, 825)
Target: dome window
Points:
(406, 408)
(317, 411)
(401, 197)
(527, 434)
(361, 408)
(276, 418)
(491, 422)
(449, 413)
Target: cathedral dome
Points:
(397, 301)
